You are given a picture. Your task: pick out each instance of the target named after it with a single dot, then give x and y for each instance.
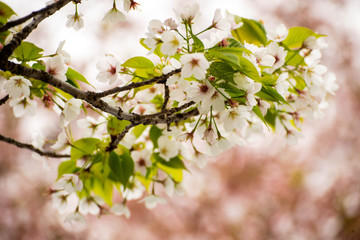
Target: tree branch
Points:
(19, 21)
(119, 137)
(133, 85)
(24, 33)
(4, 100)
(32, 148)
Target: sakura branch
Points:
(200, 94)
(32, 148)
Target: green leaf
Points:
(198, 45)
(248, 69)
(38, 66)
(84, 147)
(297, 36)
(27, 52)
(75, 76)
(236, 61)
(232, 90)
(222, 70)
(65, 167)
(138, 63)
(5, 13)
(271, 116)
(268, 93)
(293, 58)
(122, 167)
(138, 130)
(158, 101)
(250, 32)
(174, 167)
(155, 133)
(268, 79)
(147, 180)
(116, 126)
(257, 111)
(104, 189)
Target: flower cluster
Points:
(207, 91)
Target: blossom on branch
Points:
(17, 86)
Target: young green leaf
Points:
(27, 52)
(116, 126)
(75, 76)
(122, 167)
(138, 63)
(222, 70)
(155, 133)
(5, 13)
(65, 167)
(84, 147)
(250, 32)
(268, 93)
(297, 36)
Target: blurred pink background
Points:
(268, 191)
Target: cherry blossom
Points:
(167, 148)
(17, 86)
(113, 16)
(194, 64)
(57, 67)
(72, 109)
(188, 13)
(75, 21)
(108, 70)
(23, 106)
(120, 209)
(171, 42)
(88, 205)
(152, 201)
(278, 34)
(70, 183)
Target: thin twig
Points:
(4, 100)
(133, 85)
(24, 33)
(119, 137)
(32, 148)
(19, 21)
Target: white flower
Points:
(249, 86)
(142, 160)
(156, 27)
(75, 21)
(278, 34)
(65, 55)
(60, 201)
(17, 86)
(216, 100)
(90, 126)
(172, 41)
(235, 118)
(88, 205)
(278, 53)
(219, 22)
(171, 23)
(75, 217)
(108, 70)
(188, 13)
(194, 64)
(23, 106)
(72, 109)
(152, 201)
(57, 67)
(130, 4)
(70, 183)
(209, 135)
(282, 85)
(167, 148)
(199, 91)
(62, 142)
(261, 55)
(329, 83)
(120, 209)
(114, 16)
(134, 189)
